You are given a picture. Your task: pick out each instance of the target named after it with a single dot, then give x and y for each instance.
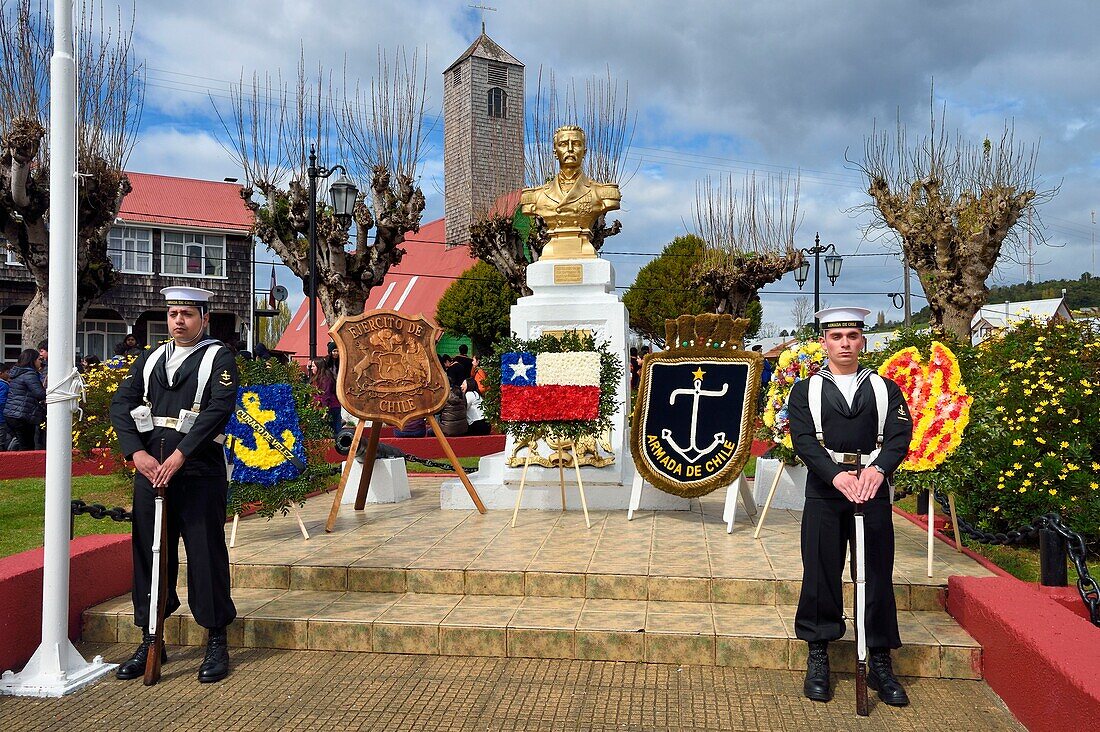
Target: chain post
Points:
(1053, 570)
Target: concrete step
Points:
(750, 591)
(744, 635)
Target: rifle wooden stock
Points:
(861, 689)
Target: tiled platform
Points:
(668, 587)
(320, 690)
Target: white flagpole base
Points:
(44, 676)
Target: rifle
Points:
(859, 561)
(158, 585)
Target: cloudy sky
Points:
(718, 87)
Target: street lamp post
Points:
(343, 194)
(832, 271)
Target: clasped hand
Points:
(157, 472)
(858, 489)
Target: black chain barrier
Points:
(343, 446)
(96, 511)
(1075, 546)
(99, 511)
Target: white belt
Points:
(173, 423)
(851, 458)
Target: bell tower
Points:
(483, 118)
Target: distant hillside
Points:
(1083, 292)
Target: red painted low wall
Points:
(101, 567)
(429, 447)
(1042, 659)
(32, 463)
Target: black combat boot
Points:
(816, 685)
(880, 677)
(134, 667)
(215, 666)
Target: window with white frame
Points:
(192, 255)
(99, 337)
(9, 255)
(157, 331)
(131, 250)
(11, 332)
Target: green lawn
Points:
(466, 462)
(22, 501)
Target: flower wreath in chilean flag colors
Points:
(565, 386)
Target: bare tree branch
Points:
(376, 133)
(110, 97)
(749, 230)
(955, 205)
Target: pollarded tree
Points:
(377, 133)
(509, 240)
(749, 234)
(109, 100)
(955, 205)
(477, 305)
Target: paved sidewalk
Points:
(310, 690)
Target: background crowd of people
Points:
(23, 391)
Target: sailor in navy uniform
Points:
(180, 395)
(844, 410)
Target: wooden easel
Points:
(368, 468)
(572, 448)
(237, 518)
(932, 524)
(768, 502)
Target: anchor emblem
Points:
(692, 453)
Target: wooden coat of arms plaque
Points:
(389, 373)
(388, 367)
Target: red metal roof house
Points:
(169, 230)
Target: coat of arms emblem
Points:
(388, 367)
(693, 418)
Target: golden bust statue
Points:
(571, 202)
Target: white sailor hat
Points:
(190, 296)
(848, 317)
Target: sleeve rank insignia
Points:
(225, 379)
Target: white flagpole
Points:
(57, 668)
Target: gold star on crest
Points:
(698, 373)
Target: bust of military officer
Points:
(571, 202)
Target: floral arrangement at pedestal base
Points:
(800, 361)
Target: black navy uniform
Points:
(827, 520)
(197, 493)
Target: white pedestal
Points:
(791, 491)
(498, 492)
(389, 482)
(569, 294)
